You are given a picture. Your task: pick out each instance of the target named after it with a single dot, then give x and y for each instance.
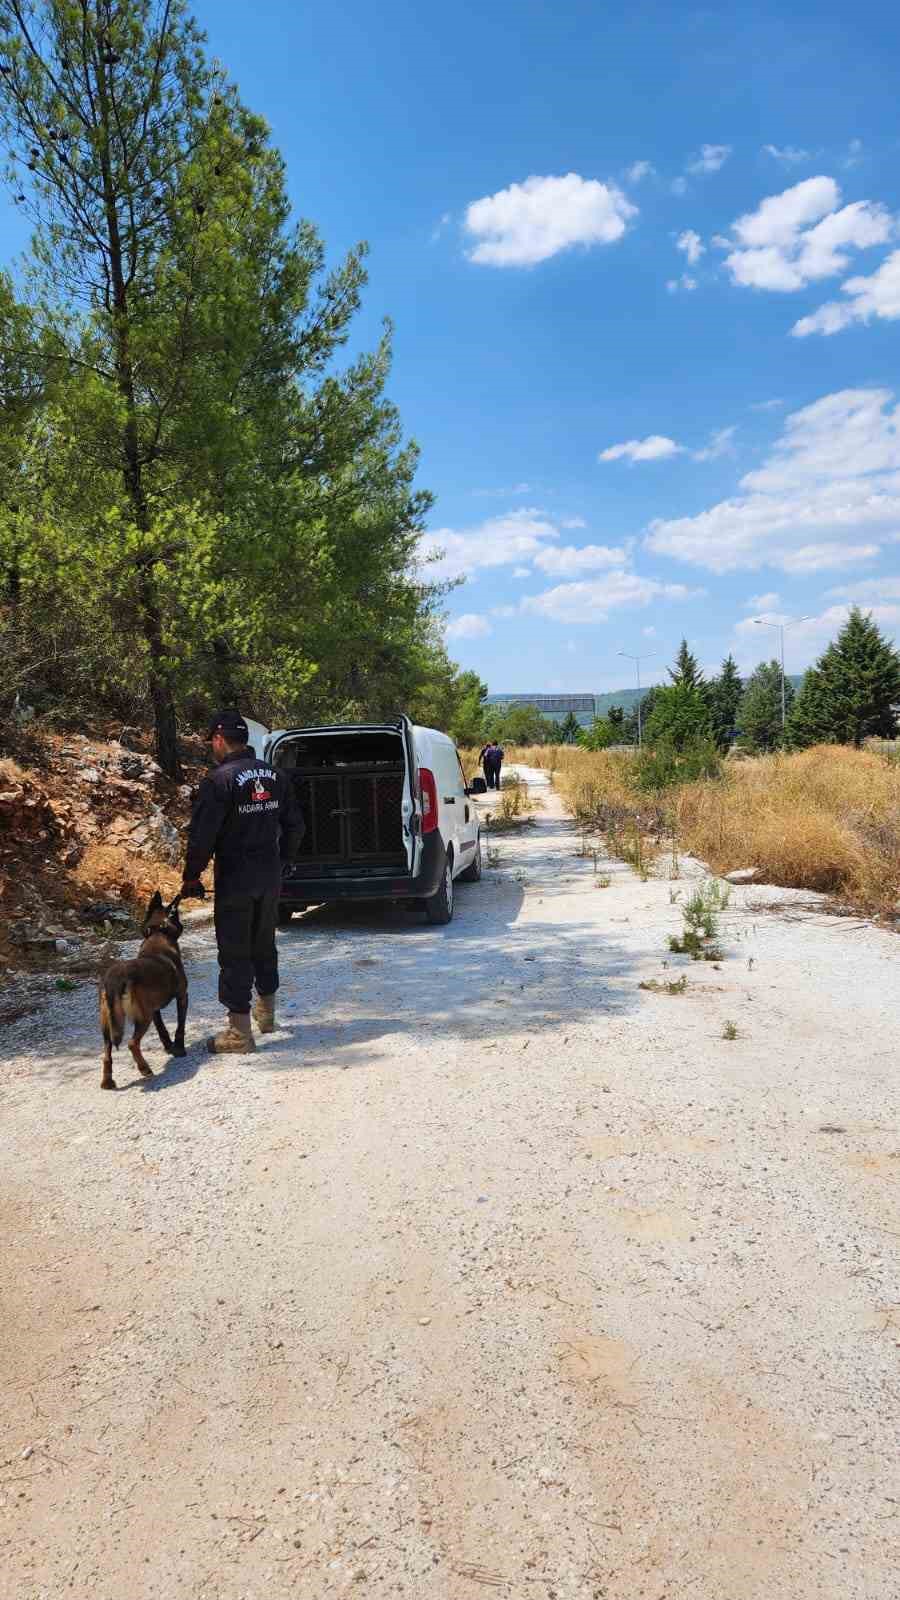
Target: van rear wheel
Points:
(439, 906)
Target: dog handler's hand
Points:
(193, 890)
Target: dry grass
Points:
(825, 819)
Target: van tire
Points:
(473, 871)
(439, 906)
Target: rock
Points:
(130, 738)
(37, 940)
(88, 775)
(742, 875)
(185, 791)
(131, 766)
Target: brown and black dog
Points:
(137, 990)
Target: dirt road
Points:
(491, 1272)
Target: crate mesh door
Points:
(375, 816)
(320, 801)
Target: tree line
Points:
(851, 693)
(198, 504)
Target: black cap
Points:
(231, 724)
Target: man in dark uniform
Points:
(247, 816)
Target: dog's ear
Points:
(156, 902)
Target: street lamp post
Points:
(762, 623)
(637, 661)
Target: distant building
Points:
(556, 706)
(549, 703)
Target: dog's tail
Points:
(113, 1004)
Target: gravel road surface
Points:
(491, 1271)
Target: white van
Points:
(388, 812)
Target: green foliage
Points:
(701, 922)
(686, 673)
(680, 716)
(615, 716)
(661, 765)
(600, 735)
(759, 715)
(848, 695)
(723, 698)
(630, 724)
(730, 1030)
(570, 731)
(186, 480)
(519, 724)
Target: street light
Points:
(762, 623)
(637, 661)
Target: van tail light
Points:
(428, 798)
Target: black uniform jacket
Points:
(248, 817)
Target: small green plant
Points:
(66, 985)
(604, 881)
(730, 1030)
(670, 986)
(699, 939)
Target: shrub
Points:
(665, 764)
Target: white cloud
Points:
(720, 444)
(498, 542)
(800, 236)
(639, 170)
(442, 223)
(833, 476)
(854, 154)
(691, 244)
(649, 633)
(656, 447)
(534, 220)
(789, 155)
(503, 611)
(711, 158)
(871, 590)
(767, 405)
(593, 599)
(503, 493)
(565, 560)
(522, 572)
(825, 557)
(684, 282)
(763, 602)
(469, 626)
(679, 186)
(572, 522)
(875, 296)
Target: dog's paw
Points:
(109, 1084)
(177, 1050)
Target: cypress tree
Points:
(725, 693)
(759, 713)
(850, 693)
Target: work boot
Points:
(235, 1039)
(264, 1013)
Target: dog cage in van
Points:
(350, 785)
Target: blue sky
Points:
(671, 230)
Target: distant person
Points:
(484, 756)
(493, 758)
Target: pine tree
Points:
(616, 716)
(759, 714)
(724, 696)
(686, 670)
(630, 724)
(570, 728)
(851, 691)
(680, 716)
